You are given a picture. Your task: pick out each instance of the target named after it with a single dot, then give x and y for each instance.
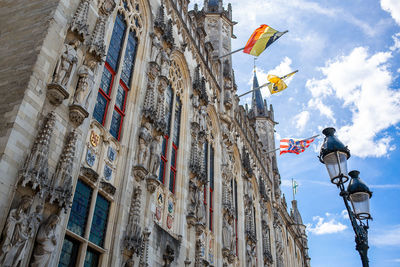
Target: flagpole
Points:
(266, 84)
(230, 53)
(273, 150)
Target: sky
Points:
(348, 57)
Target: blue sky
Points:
(348, 56)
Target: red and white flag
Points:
(291, 145)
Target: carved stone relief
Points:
(79, 21)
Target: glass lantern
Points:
(334, 155)
(359, 195)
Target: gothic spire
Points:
(257, 104)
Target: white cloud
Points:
(316, 103)
(393, 7)
(396, 42)
(387, 237)
(362, 82)
(325, 226)
(301, 120)
(286, 183)
(384, 186)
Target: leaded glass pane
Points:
(92, 258)
(80, 208)
(99, 222)
(164, 147)
(117, 38)
(161, 173)
(172, 181)
(168, 100)
(120, 99)
(106, 79)
(69, 253)
(115, 124)
(100, 108)
(177, 122)
(129, 59)
(173, 157)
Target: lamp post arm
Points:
(361, 231)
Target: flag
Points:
(276, 83)
(290, 145)
(294, 186)
(261, 38)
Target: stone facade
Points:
(161, 168)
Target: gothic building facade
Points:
(122, 141)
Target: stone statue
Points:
(154, 155)
(144, 139)
(46, 242)
(227, 232)
(192, 203)
(37, 217)
(17, 233)
(200, 209)
(249, 255)
(84, 88)
(66, 64)
(202, 118)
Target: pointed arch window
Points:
(117, 76)
(209, 187)
(170, 140)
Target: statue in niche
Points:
(154, 155)
(46, 242)
(84, 88)
(249, 255)
(18, 231)
(202, 118)
(195, 104)
(200, 211)
(227, 232)
(37, 217)
(144, 140)
(66, 64)
(192, 203)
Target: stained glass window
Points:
(69, 253)
(80, 208)
(117, 38)
(115, 124)
(100, 109)
(92, 258)
(175, 144)
(114, 62)
(129, 59)
(99, 222)
(211, 188)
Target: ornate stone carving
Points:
(143, 153)
(192, 202)
(79, 23)
(35, 169)
(19, 230)
(246, 162)
(96, 44)
(90, 174)
(46, 242)
(227, 70)
(159, 22)
(227, 242)
(85, 83)
(77, 114)
(133, 237)
(168, 36)
(250, 255)
(145, 249)
(149, 107)
(155, 151)
(152, 183)
(108, 188)
(57, 91)
(161, 123)
(62, 178)
(168, 256)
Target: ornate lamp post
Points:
(334, 154)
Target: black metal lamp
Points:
(334, 154)
(359, 195)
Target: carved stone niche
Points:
(79, 24)
(77, 114)
(65, 68)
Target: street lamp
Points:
(334, 154)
